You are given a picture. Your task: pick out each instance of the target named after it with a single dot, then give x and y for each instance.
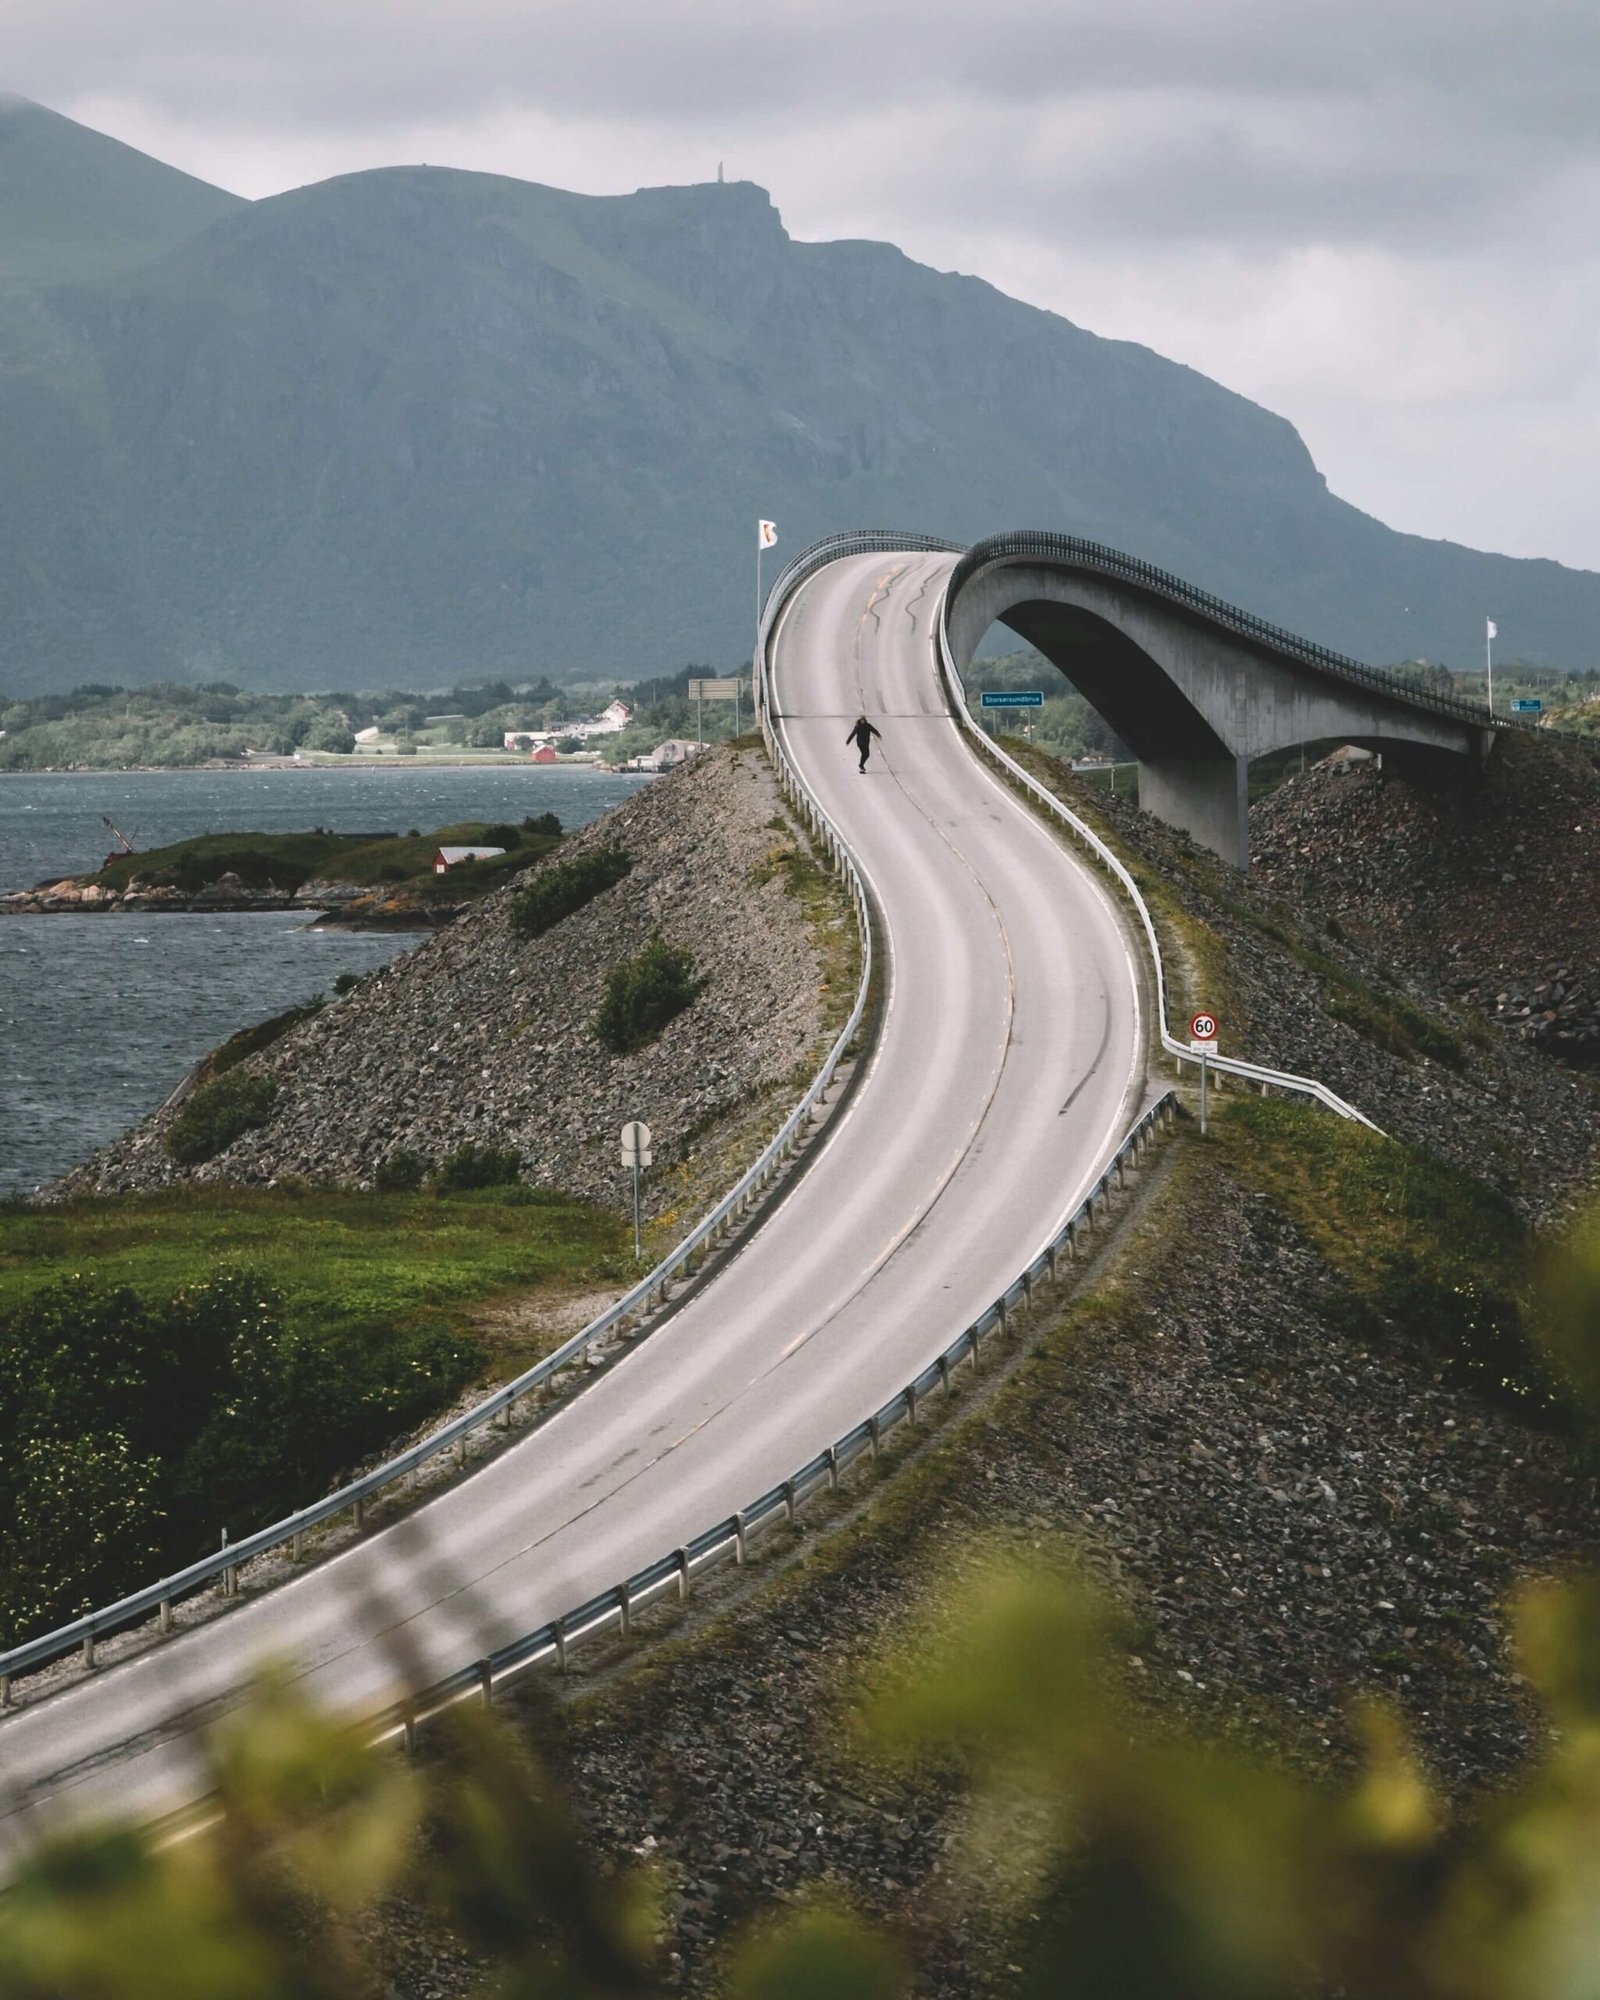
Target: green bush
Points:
(556, 892)
(477, 1167)
(541, 823)
(503, 835)
(158, 1420)
(400, 1172)
(217, 1114)
(644, 993)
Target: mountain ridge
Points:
(414, 424)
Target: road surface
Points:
(1009, 1064)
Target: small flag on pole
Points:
(1494, 629)
(766, 534)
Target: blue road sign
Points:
(1534, 707)
(1016, 698)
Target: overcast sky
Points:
(1376, 219)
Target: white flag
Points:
(1494, 629)
(766, 534)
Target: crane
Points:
(115, 830)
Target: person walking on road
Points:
(861, 736)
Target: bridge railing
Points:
(1085, 835)
(672, 1574)
(158, 1599)
(1094, 558)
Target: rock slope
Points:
(1361, 1006)
(478, 1036)
(1482, 891)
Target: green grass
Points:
(343, 1259)
(1427, 1250)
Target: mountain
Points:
(416, 425)
(77, 206)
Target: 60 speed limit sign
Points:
(1203, 1028)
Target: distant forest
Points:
(168, 726)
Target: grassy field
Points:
(177, 1365)
(342, 1259)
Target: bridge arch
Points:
(1196, 688)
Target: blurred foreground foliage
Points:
(1133, 1865)
(1119, 1858)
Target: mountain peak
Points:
(77, 206)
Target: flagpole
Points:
(755, 650)
(1488, 658)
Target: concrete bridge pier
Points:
(1208, 798)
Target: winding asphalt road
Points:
(1011, 1060)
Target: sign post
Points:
(766, 538)
(636, 1154)
(714, 691)
(1203, 1040)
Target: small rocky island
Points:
(386, 880)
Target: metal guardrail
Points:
(157, 1599)
(1301, 1086)
(673, 1575)
(1096, 559)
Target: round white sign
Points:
(1203, 1028)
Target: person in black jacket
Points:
(861, 736)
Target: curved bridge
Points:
(1196, 688)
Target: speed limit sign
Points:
(1203, 1028)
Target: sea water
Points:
(102, 1016)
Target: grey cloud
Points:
(1239, 121)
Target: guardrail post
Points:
(5, 1690)
(408, 1729)
(1005, 1317)
(164, 1616)
(486, 1683)
(877, 1438)
(358, 1513)
(738, 1538)
(789, 1500)
(911, 1403)
(627, 1611)
(1050, 1255)
(944, 1373)
(683, 1574)
(833, 1468)
(297, 1545)
(505, 1415)
(561, 1645)
(88, 1647)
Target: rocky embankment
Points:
(481, 1037)
(1299, 988)
(1484, 891)
(1293, 1498)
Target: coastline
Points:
(481, 760)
